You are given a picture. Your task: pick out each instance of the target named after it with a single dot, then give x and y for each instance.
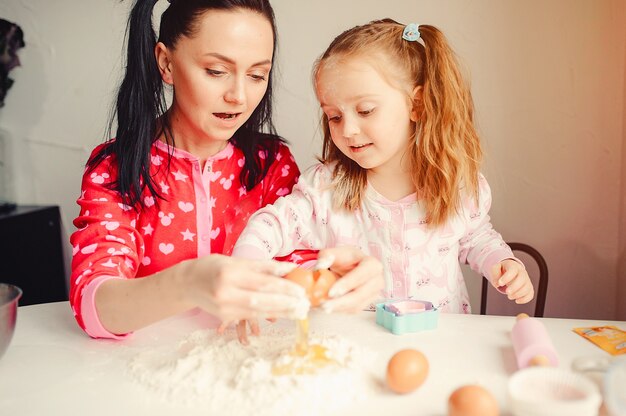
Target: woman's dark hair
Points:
(141, 108)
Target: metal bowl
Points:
(9, 295)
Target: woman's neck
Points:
(191, 142)
(203, 150)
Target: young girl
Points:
(399, 176)
(175, 187)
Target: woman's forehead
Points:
(237, 34)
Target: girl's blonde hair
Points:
(445, 151)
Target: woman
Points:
(176, 186)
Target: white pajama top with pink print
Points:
(419, 262)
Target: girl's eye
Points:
(215, 73)
(333, 119)
(366, 112)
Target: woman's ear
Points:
(418, 95)
(163, 61)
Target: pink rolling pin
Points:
(531, 343)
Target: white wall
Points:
(548, 79)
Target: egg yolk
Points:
(305, 358)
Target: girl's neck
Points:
(392, 185)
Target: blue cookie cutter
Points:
(390, 316)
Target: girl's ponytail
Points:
(448, 151)
(445, 149)
(140, 102)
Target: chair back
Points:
(540, 282)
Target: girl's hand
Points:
(242, 331)
(235, 289)
(361, 279)
(513, 276)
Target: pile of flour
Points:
(215, 372)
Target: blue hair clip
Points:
(411, 32)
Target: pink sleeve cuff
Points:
(495, 258)
(93, 326)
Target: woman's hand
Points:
(511, 278)
(232, 289)
(361, 279)
(235, 289)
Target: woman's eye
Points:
(215, 73)
(258, 77)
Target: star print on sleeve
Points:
(147, 230)
(156, 160)
(179, 176)
(188, 235)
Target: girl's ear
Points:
(418, 95)
(163, 61)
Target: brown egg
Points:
(324, 279)
(303, 277)
(472, 400)
(316, 283)
(406, 371)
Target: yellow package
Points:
(610, 338)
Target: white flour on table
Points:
(217, 373)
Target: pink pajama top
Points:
(204, 212)
(419, 262)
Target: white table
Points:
(52, 367)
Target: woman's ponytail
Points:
(140, 102)
(141, 106)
